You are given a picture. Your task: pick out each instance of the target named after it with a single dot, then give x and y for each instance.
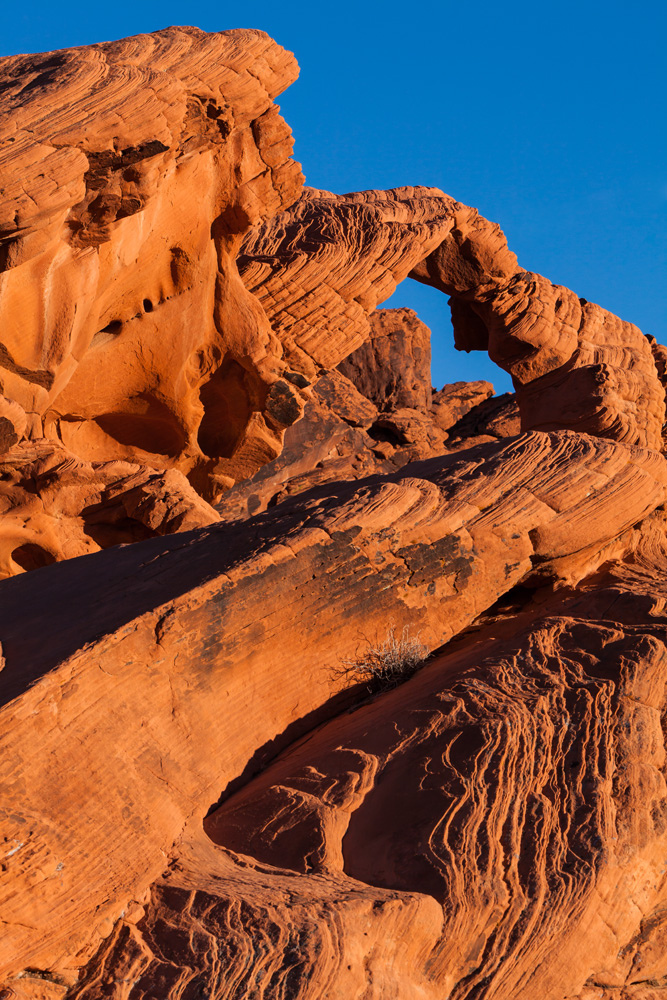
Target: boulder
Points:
(393, 367)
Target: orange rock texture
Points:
(376, 413)
(203, 792)
(117, 700)
(131, 171)
(573, 363)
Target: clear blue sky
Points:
(550, 118)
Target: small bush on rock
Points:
(388, 663)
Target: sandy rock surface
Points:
(359, 422)
(393, 367)
(225, 476)
(321, 267)
(131, 708)
(573, 363)
(131, 171)
(429, 824)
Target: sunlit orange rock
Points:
(323, 264)
(54, 506)
(171, 662)
(321, 267)
(201, 795)
(376, 413)
(393, 367)
(574, 364)
(419, 846)
(131, 172)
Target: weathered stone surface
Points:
(331, 443)
(574, 364)
(53, 506)
(493, 418)
(454, 400)
(343, 399)
(321, 267)
(346, 435)
(13, 423)
(167, 361)
(393, 367)
(196, 798)
(131, 171)
(133, 713)
(417, 845)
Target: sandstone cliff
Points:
(199, 797)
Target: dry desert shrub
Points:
(388, 663)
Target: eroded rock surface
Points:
(393, 367)
(131, 172)
(321, 267)
(128, 334)
(418, 846)
(573, 363)
(376, 413)
(145, 713)
(55, 506)
(197, 799)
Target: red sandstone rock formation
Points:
(131, 710)
(321, 267)
(54, 506)
(573, 363)
(131, 172)
(196, 800)
(491, 418)
(364, 425)
(393, 367)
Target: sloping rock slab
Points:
(170, 662)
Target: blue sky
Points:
(550, 118)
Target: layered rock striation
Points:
(574, 364)
(131, 172)
(144, 712)
(321, 267)
(202, 796)
(419, 846)
(375, 413)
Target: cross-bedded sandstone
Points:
(195, 803)
(494, 828)
(322, 264)
(131, 171)
(138, 716)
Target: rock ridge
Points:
(198, 800)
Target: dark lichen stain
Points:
(444, 557)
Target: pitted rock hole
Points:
(227, 409)
(146, 423)
(31, 556)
